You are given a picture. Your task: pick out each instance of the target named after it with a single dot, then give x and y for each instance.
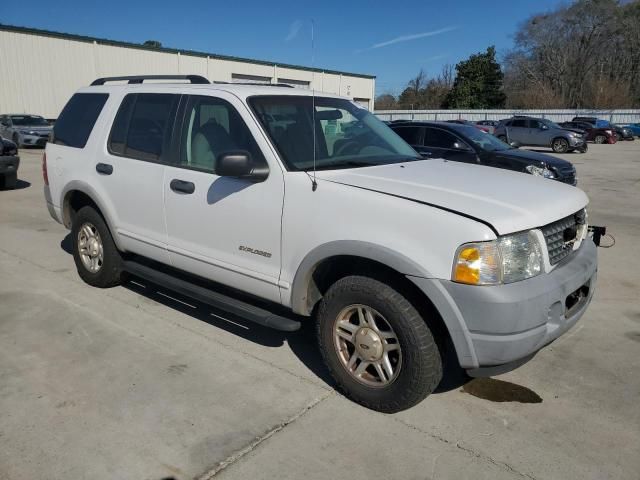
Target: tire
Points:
(583, 149)
(416, 362)
(618, 137)
(9, 181)
(600, 139)
(16, 140)
(108, 271)
(560, 145)
(503, 138)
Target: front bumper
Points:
(32, 140)
(9, 165)
(502, 326)
(577, 142)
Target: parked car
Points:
(489, 124)
(465, 143)
(592, 133)
(540, 132)
(395, 258)
(635, 128)
(621, 132)
(9, 163)
(25, 130)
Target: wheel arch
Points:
(329, 262)
(78, 194)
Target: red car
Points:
(460, 121)
(593, 134)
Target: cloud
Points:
(407, 38)
(294, 29)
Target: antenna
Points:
(314, 184)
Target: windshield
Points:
(346, 135)
(28, 120)
(549, 123)
(484, 140)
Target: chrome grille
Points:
(561, 234)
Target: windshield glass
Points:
(28, 120)
(346, 135)
(484, 140)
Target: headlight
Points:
(609, 132)
(27, 132)
(508, 259)
(540, 171)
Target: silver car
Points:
(25, 130)
(540, 132)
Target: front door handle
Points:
(104, 168)
(181, 186)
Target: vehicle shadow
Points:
(302, 343)
(20, 185)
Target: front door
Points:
(222, 228)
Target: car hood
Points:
(530, 157)
(576, 130)
(508, 201)
(35, 128)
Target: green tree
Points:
(478, 83)
(152, 43)
(386, 101)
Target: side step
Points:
(232, 305)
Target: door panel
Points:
(224, 229)
(137, 146)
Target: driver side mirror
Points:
(239, 164)
(543, 127)
(515, 144)
(460, 146)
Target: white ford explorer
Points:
(252, 198)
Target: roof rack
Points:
(286, 85)
(141, 78)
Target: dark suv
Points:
(466, 143)
(540, 132)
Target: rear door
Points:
(130, 171)
(222, 228)
(519, 131)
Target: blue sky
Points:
(391, 40)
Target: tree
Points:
(410, 98)
(152, 43)
(386, 101)
(478, 83)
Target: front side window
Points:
(212, 128)
(338, 132)
(142, 125)
(76, 121)
(29, 120)
(519, 123)
(437, 138)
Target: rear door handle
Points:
(181, 186)
(104, 168)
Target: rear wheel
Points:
(94, 251)
(376, 345)
(16, 140)
(560, 145)
(600, 139)
(503, 138)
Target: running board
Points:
(242, 309)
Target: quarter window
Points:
(76, 121)
(142, 126)
(212, 127)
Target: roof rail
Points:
(141, 78)
(286, 85)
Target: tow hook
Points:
(597, 233)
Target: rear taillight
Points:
(45, 176)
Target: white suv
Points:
(200, 186)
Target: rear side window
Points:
(411, 135)
(76, 121)
(143, 125)
(519, 123)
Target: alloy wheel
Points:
(90, 247)
(367, 346)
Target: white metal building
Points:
(40, 70)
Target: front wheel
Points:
(600, 139)
(376, 345)
(560, 145)
(9, 181)
(502, 138)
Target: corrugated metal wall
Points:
(614, 116)
(39, 73)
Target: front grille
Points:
(561, 234)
